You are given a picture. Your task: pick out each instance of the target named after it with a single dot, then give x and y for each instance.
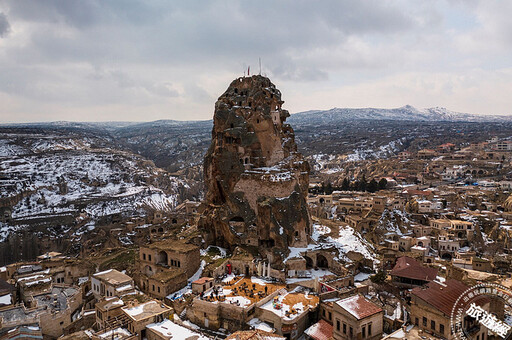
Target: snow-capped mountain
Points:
(407, 112)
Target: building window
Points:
(363, 332)
(323, 312)
(441, 328)
(149, 257)
(344, 328)
(424, 322)
(153, 287)
(370, 329)
(432, 325)
(330, 316)
(159, 289)
(416, 322)
(351, 331)
(338, 325)
(143, 256)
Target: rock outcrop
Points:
(256, 180)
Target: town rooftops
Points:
(358, 306)
(202, 280)
(49, 255)
(320, 330)
(170, 330)
(146, 310)
(410, 268)
(168, 275)
(112, 277)
(117, 333)
(254, 335)
(6, 287)
(109, 304)
(173, 245)
(29, 268)
(442, 296)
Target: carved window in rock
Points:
(237, 223)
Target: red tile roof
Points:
(442, 296)
(359, 306)
(321, 330)
(202, 280)
(410, 268)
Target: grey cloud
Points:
(4, 25)
(164, 89)
(164, 33)
(99, 52)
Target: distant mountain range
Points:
(405, 113)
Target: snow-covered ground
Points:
(345, 241)
(327, 163)
(68, 175)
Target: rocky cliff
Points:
(256, 180)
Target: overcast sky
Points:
(128, 60)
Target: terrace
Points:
(241, 291)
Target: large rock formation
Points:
(256, 180)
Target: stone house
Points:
(462, 229)
(111, 283)
(355, 317)
(107, 311)
(202, 284)
(431, 307)
(165, 266)
(139, 316)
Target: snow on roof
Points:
(5, 299)
(125, 287)
(358, 306)
(117, 333)
(167, 328)
(113, 277)
(258, 324)
(145, 310)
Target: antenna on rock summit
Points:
(260, 65)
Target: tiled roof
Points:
(359, 306)
(202, 280)
(410, 268)
(321, 330)
(442, 296)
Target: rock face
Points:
(256, 180)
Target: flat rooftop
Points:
(242, 291)
(146, 310)
(113, 277)
(57, 299)
(173, 245)
(291, 305)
